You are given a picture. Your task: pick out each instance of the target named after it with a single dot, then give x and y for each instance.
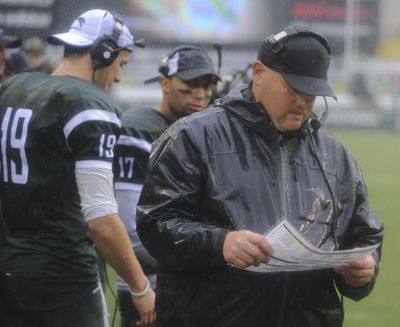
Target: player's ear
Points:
(164, 84)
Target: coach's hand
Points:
(357, 272)
(145, 305)
(244, 248)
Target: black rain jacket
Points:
(227, 168)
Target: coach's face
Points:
(104, 77)
(287, 107)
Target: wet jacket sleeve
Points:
(364, 229)
(169, 214)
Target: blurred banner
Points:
(334, 17)
(232, 22)
(27, 17)
(206, 21)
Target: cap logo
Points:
(173, 64)
(81, 21)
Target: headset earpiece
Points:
(104, 49)
(103, 52)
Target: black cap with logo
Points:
(302, 56)
(188, 63)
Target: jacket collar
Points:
(241, 102)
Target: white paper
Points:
(293, 253)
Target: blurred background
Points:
(365, 74)
(364, 35)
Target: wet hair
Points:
(70, 51)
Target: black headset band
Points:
(118, 26)
(277, 41)
(182, 48)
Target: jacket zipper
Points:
(284, 189)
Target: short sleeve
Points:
(91, 136)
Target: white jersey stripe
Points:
(104, 306)
(88, 115)
(128, 186)
(130, 140)
(93, 164)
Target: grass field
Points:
(379, 155)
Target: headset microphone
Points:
(137, 43)
(325, 113)
(313, 125)
(218, 48)
(141, 43)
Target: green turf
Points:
(379, 155)
(111, 299)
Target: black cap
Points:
(17, 62)
(302, 56)
(9, 41)
(188, 63)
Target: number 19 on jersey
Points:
(14, 132)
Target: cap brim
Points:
(70, 39)
(191, 74)
(152, 80)
(188, 75)
(9, 41)
(309, 85)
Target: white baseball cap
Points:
(90, 26)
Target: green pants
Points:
(89, 311)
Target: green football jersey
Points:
(140, 128)
(51, 125)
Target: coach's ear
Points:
(258, 72)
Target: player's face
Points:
(104, 77)
(185, 98)
(287, 107)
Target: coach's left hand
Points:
(357, 272)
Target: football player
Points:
(57, 146)
(187, 82)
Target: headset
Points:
(164, 67)
(277, 41)
(104, 49)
